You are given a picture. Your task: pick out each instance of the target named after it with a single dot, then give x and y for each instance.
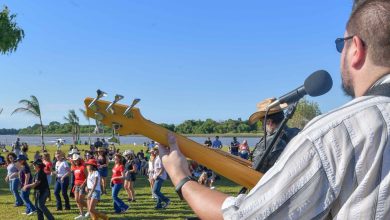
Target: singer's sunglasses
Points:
(340, 42)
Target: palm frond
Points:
(26, 110)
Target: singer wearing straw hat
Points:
(274, 119)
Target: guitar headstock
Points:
(124, 119)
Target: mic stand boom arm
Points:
(288, 115)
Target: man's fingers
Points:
(163, 150)
(172, 141)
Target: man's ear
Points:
(358, 52)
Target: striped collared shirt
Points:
(336, 168)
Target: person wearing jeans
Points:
(118, 176)
(159, 177)
(62, 180)
(13, 178)
(25, 178)
(41, 192)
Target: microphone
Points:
(318, 83)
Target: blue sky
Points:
(184, 59)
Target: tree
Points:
(305, 111)
(73, 120)
(10, 34)
(89, 124)
(32, 107)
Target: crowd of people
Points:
(83, 177)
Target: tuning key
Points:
(110, 108)
(128, 112)
(99, 95)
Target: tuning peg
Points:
(99, 116)
(110, 108)
(127, 112)
(93, 105)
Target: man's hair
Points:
(370, 21)
(276, 118)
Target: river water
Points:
(138, 140)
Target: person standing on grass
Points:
(234, 146)
(217, 143)
(159, 177)
(62, 180)
(17, 147)
(80, 180)
(13, 178)
(93, 190)
(130, 174)
(25, 179)
(47, 169)
(41, 190)
(118, 176)
(151, 171)
(102, 160)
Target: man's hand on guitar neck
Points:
(205, 202)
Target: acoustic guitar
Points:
(128, 120)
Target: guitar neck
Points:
(229, 166)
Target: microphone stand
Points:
(288, 115)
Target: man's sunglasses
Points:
(340, 42)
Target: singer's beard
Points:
(346, 79)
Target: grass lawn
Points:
(143, 208)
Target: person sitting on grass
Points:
(25, 179)
(13, 178)
(78, 169)
(2, 160)
(118, 175)
(41, 190)
(93, 190)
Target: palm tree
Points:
(73, 120)
(89, 124)
(32, 107)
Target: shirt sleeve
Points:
(295, 188)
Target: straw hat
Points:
(101, 149)
(262, 107)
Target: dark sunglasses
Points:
(340, 42)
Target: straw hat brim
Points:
(262, 107)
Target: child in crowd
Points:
(94, 190)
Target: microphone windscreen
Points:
(318, 83)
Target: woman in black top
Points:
(130, 174)
(41, 193)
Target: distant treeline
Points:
(305, 112)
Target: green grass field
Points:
(143, 208)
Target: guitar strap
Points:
(380, 90)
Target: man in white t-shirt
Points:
(159, 176)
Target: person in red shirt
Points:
(47, 169)
(118, 176)
(78, 169)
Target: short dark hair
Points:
(370, 22)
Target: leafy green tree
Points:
(32, 107)
(10, 34)
(89, 124)
(305, 112)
